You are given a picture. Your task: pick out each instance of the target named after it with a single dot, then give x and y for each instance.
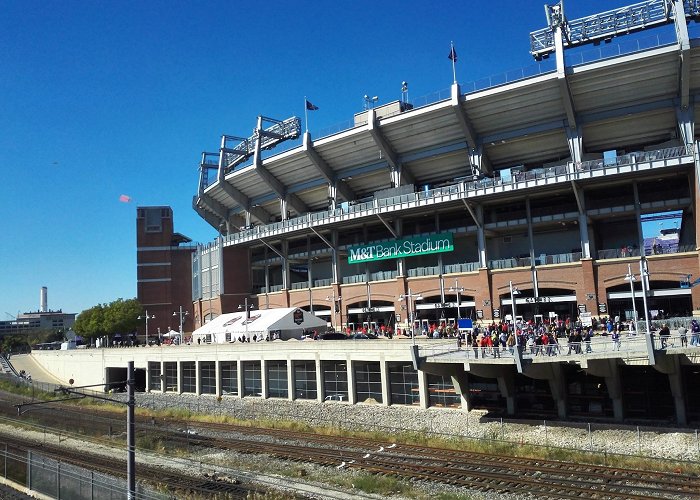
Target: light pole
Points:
(182, 315)
(335, 300)
(72, 393)
(513, 292)
(457, 289)
(147, 317)
(631, 278)
(410, 297)
(247, 307)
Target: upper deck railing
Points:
(465, 190)
(627, 346)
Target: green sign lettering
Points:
(399, 249)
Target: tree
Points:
(119, 316)
(90, 322)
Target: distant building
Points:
(164, 271)
(35, 321)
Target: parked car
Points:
(363, 336)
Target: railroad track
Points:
(479, 471)
(176, 482)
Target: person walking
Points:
(616, 340)
(695, 333)
(683, 334)
(664, 334)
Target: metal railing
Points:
(625, 345)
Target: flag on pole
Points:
(453, 55)
(310, 107)
(124, 198)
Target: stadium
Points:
(524, 196)
(540, 183)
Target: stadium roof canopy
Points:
(629, 98)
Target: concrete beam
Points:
(386, 150)
(474, 146)
(341, 187)
(262, 215)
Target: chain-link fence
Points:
(60, 480)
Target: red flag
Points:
(124, 198)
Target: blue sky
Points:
(99, 99)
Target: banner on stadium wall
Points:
(399, 249)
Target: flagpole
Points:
(306, 115)
(454, 72)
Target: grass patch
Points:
(374, 483)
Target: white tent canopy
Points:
(285, 323)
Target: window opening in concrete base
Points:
(442, 393)
(189, 377)
(252, 378)
(404, 384)
(368, 382)
(305, 380)
(207, 377)
(277, 379)
(335, 380)
(229, 378)
(154, 380)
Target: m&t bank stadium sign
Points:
(399, 249)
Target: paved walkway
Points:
(30, 366)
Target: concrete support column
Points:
(614, 386)
(335, 265)
(178, 365)
(217, 370)
(608, 369)
(352, 397)
(239, 378)
(286, 283)
(460, 381)
(320, 392)
(162, 376)
(424, 400)
(638, 217)
(400, 263)
(557, 386)
(264, 377)
(590, 285)
(386, 382)
(481, 236)
(332, 195)
(482, 296)
(584, 235)
(678, 392)
(530, 236)
(198, 378)
(290, 379)
(283, 208)
(506, 384)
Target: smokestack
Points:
(42, 300)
